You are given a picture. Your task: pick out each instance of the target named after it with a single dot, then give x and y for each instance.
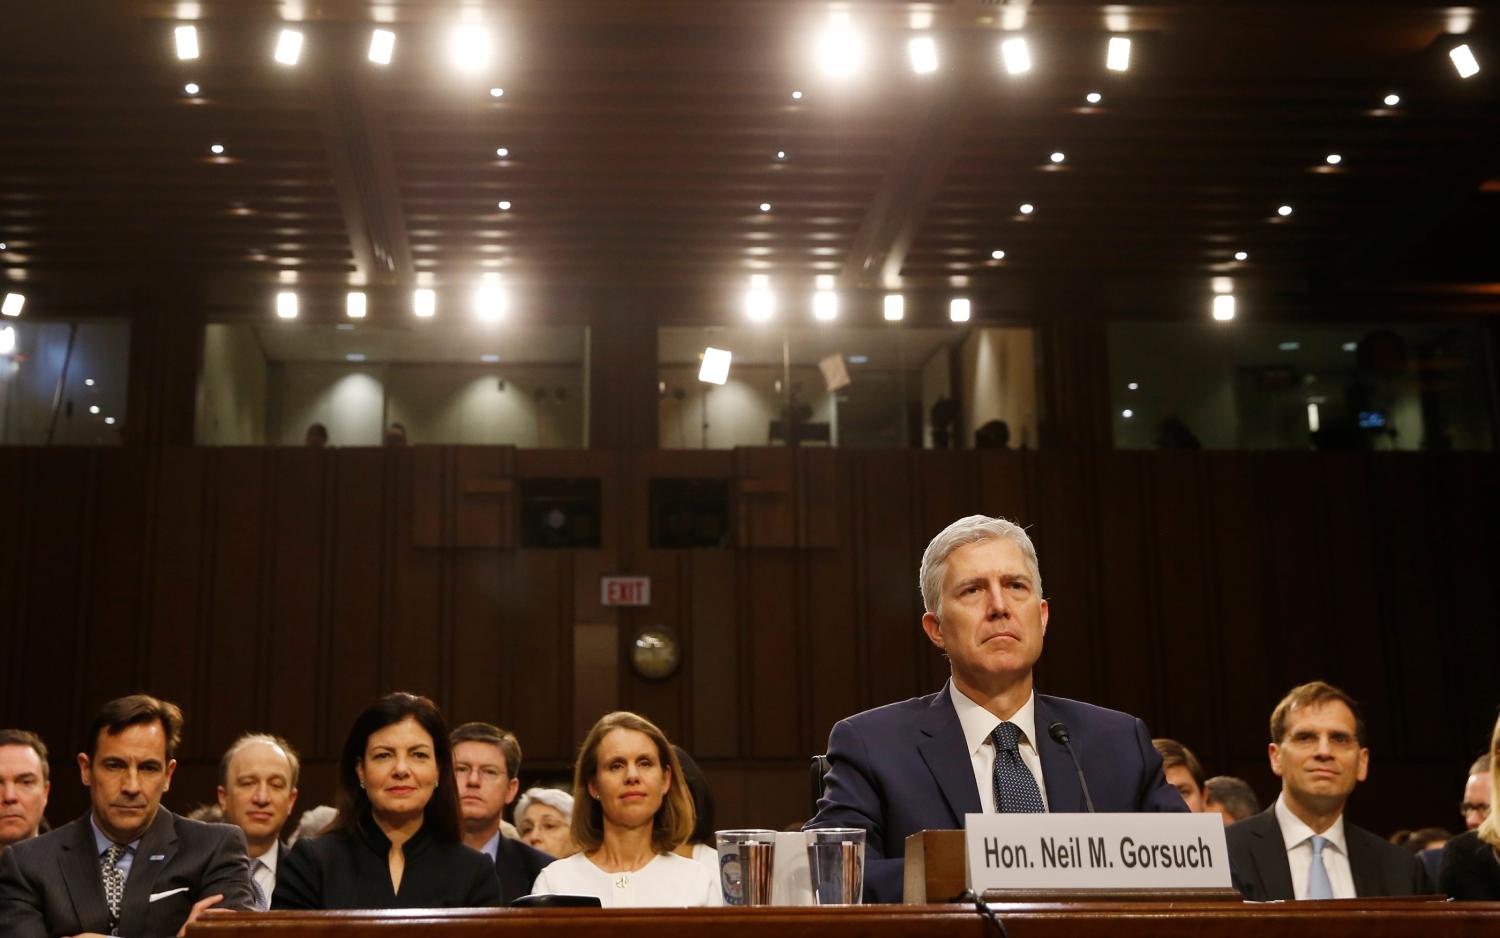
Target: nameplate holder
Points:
(1095, 854)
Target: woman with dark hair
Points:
(631, 810)
(395, 843)
(700, 844)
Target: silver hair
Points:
(553, 798)
(961, 533)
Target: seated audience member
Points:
(485, 762)
(1232, 797)
(632, 811)
(1422, 839)
(544, 817)
(1477, 793)
(206, 814)
(1183, 771)
(257, 790)
(395, 843)
(700, 845)
(313, 822)
(316, 436)
(129, 866)
(395, 435)
(1471, 861)
(1301, 848)
(25, 782)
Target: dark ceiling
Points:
(643, 137)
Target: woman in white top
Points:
(630, 812)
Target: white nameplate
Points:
(1095, 851)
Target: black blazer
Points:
(50, 885)
(517, 866)
(1471, 869)
(1257, 855)
(346, 869)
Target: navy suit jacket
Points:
(50, 885)
(905, 767)
(1257, 855)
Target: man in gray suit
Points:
(128, 867)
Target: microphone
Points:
(1058, 730)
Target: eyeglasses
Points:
(1483, 810)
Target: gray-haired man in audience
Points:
(257, 791)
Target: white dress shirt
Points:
(667, 881)
(1298, 839)
(978, 723)
(264, 870)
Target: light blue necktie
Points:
(1318, 886)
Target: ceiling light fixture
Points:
(497, 92)
(760, 304)
(503, 205)
(894, 307)
(382, 46)
(93, 408)
(1241, 255)
(840, 51)
(289, 47)
(12, 304)
(796, 96)
(424, 303)
(923, 53)
(1027, 208)
(1334, 159)
(190, 88)
(765, 206)
(187, 42)
(1093, 97)
(1058, 156)
(1127, 413)
(217, 149)
(502, 151)
(356, 304)
(109, 420)
(88, 382)
(1118, 57)
(997, 255)
(490, 359)
(1393, 99)
(1284, 211)
(286, 304)
(489, 300)
(958, 309)
(469, 48)
(1464, 61)
(825, 301)
(1224, 307)
(1017, 55)
(354, 357)
(781, 154)
(715, 367)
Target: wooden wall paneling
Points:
(1128, 640)
(110, 643)
(237, 561)
(771, 721)
(1071, 553)
(765, 496)
(297, 626)
(1005, 485)
(666, 702)
(821, 474)
(480, 633)
(175, 623)
(776, 795)
(1296, 604)
(485, 497)
(419, 626)
(834, 629)
(15, 465)
(1187, 660)
(712, 596)
(54, 561)
(595, 645)
(1473, 644)
(541, 592)
(1242, 583)
(360, 489)
(947, 489)
(896, 654)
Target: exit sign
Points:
(625, 590)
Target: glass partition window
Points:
(859, 388)
(1353, 387)
(63, 383)
(358, 385)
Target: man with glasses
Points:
(1301, 848)
(486, 760)
(1476, 803)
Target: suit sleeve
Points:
(20, 904)
(1461, 877)
(299, 880)
(227, 872)
(851, 799)
(1153, 793)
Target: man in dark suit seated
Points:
(985, 742)
(486, 760)
(1300, 847)
(129, 866)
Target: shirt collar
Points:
(492, 846)
(978, 723)
(269, 858)
(102, 841)
(1294, 832)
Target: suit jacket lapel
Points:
(1268, 849)
(1362, 866)
(946, 754)
(79, 863)
(1063, 791)
(160, 840)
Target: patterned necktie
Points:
(1015, 788)
(257, 892)
(114, 880)
(1318, 886)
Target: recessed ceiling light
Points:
(504, 205)
(958, 309)
(216, 149)
(190, 88)
(840, 51)
(355, 304)
(796, 96)
(1464, 61)
(109, 420)
(1127, 413)
(424, 303)
(1093, 97)
(765, 206)
(1334, 159)
(88, 382)
(1284, 211)
(923, 52)
(894, 307)
(1224, 307)
(3, 245)
(354, 357)
(1241, 256)
(1132, 386)
(1017, 55)
(187, 41)
(286, 304)
(1027, 208)
(382, 45)
(1391, 100)
(760, 303)
(469, 47)
(93, 408)
(1118, 57)
(502, 151)
(1058, 156)
(489, 359)
(12, 304)
(497, 92)
(781, 154)
(998, 255)
(288, 47)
